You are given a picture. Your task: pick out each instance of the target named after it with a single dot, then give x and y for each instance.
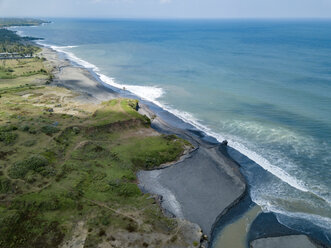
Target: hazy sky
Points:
(167, 8)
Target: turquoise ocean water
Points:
(264, 85)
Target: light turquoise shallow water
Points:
(265, 86)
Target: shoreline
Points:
(146, 91)
(95, 90)
(63, 68)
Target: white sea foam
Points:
(263, 162)
(15, 29)
(20, 33)
(282, 216)
(71, 56)
(149, 93)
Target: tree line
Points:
(10, 42)
(8, 22)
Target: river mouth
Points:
(235, 234)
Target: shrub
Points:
(8, 128)
(133, 104)
(48, 171)
(100, 186)
(25, 229)
(105, 220)
(99, 175)
(91, 151)
(147, 121)
(147, 162)
(18, 170)
(8, 138)
(29, 177)
(129, 176)
(170, 137)
(124, 189)
(138, 162)
(4, 185)
(49, 130)
(129, 190)
(35, 163)
(32, 131)
(25, 128)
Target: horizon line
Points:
(170, 18)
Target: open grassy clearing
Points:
(14, 68)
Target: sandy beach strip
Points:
(77, 79)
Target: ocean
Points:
(263, 85)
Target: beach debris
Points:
(225, 142)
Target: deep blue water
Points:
(264, 85)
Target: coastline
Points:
(92, 90)
(234, 187)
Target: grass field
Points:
(14, 68)
(63, 162)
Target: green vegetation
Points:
(62, 162)
(14, 68)
(7, 22)
(10, 42)
(35, 163)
